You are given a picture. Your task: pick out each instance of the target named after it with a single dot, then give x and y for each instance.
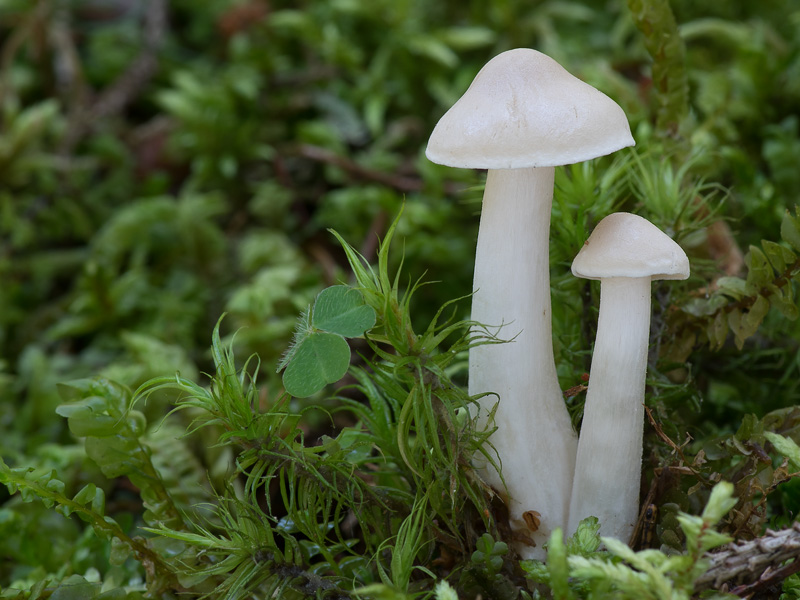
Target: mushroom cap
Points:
(626, 245)
(525, 110)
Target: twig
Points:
(130, 83)
(664, 479)
(398, 182)
(769, 578)
(780, 475)
(754, 565)
(675, 447)
(16, 39)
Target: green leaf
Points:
(375, 112)
(340, 309)
(759, 272)
(536, 571)
(557, 566)
(785, 446)
(622, 550)
(719, 502)
(745, 324)
(783, 300)
(72, 391)
(113, 594)
(735, 323)
(732, 286)
(587, 538)
(752, 318)
(750, 426)
(790, 230)
(429, 47)
(89, 417)
(467, 38)
(120, 551)
(484, 546)
(381, 591)
(115, 455)
(94, 495)
(778, 255)
(444, 591)
(319, 359)
(75, 587)
(718, 331)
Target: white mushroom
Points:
(523, 115)
(625, 252)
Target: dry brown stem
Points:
(751, 567)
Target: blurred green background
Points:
(164, 162)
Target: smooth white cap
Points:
(627, 245)
(525, 110)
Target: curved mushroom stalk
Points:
(534, 435)
(522, 116)
(625, 252)
(607, 471)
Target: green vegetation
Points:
(250, 176)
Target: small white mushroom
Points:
(523, 115)
(625, 252)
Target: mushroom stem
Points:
(608, 467)
(534, 438)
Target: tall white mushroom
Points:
(625, 252)
(522, 116)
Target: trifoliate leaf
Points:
(340, 309)
(319, 359)
(301, 331)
